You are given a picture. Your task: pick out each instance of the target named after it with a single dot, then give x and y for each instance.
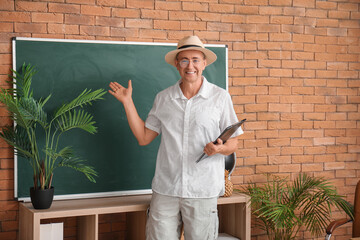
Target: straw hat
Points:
(190, 43)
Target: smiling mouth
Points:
(190, 72)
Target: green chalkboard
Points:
(65, 68)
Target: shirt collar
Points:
(203, 92)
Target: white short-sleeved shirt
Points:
(186, 126)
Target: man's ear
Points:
(205, 64)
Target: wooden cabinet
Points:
(234, 215)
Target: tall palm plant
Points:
(281, 208)
(29, 116)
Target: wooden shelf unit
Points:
(234, 215)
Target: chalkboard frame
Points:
(16, 65)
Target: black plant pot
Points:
(41, 199)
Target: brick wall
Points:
(293, 73)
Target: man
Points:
(190, 115)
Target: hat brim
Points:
(210, 56)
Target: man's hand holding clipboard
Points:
(224, 136)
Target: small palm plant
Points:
(281, 208)
(29, 116)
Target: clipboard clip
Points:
(224, 136)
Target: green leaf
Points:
(79, 165)
(18, 139)
(76, 119)
(85, 98)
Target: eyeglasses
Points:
(184, 63)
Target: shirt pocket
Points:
(207, 118)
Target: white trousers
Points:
(167, 214)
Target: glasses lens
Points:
(184, 63)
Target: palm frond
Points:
(85, 98)
(18, 139)
(23, 80)
(76, 119)
(79, 166)
(283, 207)
(32, 110)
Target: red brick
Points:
(95, 30)
(291, 99)
(279, 54)
(256, 72)
(193, 25)
(348, 6)
(281, 72)
(269, 63)
(194, 6)
(111, 3)
(64, 8)
(256, 108)
(292, 151)
(246, 28)
(279, 107)
(79, 19)
(292, 64)
(95, 10)
(280, 2)
(6, 27)
(90, 2)
(168, 5)
(27, 6)
(15, 16)
(325, 40)
(305, 21)
(211, 17)
(48, 17)
(268, 81)
(254, 2)
(315, 65)
(138, 23)
(267, 10)
(125, 32)
(30, 27)
(143, 3)
(303, 56)
(267, 168)
(267, 99)
(255, 161)
(246, 9)
(108, 21)
(214, 26)
(226, 36)
(290, 168)
(267, 28)
(304, 3)
(255, 55)
(172, 15)
(316, 13)
(279, 125)
(339, 14)
(257, 19)
(308, 167)
(221, 8)
(152, 34)
(299, 12)
(349, 24)
(244, 63)
(125, 13)
(269, 45)
(326, 5)
(280, 37)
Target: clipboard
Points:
(224, 136)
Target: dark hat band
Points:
(187, 46)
